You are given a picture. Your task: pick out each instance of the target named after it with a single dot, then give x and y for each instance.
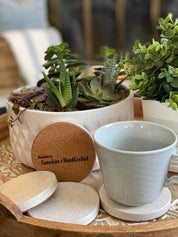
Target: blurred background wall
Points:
(88, 24)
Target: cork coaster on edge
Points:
(73, 203)
(66, 149)
(31, 189)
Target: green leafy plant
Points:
(153, 71)
(173, 101)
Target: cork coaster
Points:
(141, 213)
(31, 189)
(73, 203)
(66, 149)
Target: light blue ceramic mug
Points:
(134, 157)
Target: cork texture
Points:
(66, 149)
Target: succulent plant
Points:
(65, 97)
(107, 53)
(53, 56)
(67, 87)
(101, 89)
(89, 91)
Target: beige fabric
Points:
(10, 168)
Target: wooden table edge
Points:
(169, 225)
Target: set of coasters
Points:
(40, 195)
(65, 152)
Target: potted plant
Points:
(154, 75)
(67, 93)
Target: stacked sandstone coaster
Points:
(58, 157)
(43, 197)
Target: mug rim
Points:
(136, 152)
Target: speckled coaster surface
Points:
(66, 149)
(31, 189)
(73, 203)
(141, 213)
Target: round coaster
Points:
(66, 149)
(72, 203)
(141, 213)
(31, 189)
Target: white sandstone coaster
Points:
(73, 203)
(141, 213)
(31, 189)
